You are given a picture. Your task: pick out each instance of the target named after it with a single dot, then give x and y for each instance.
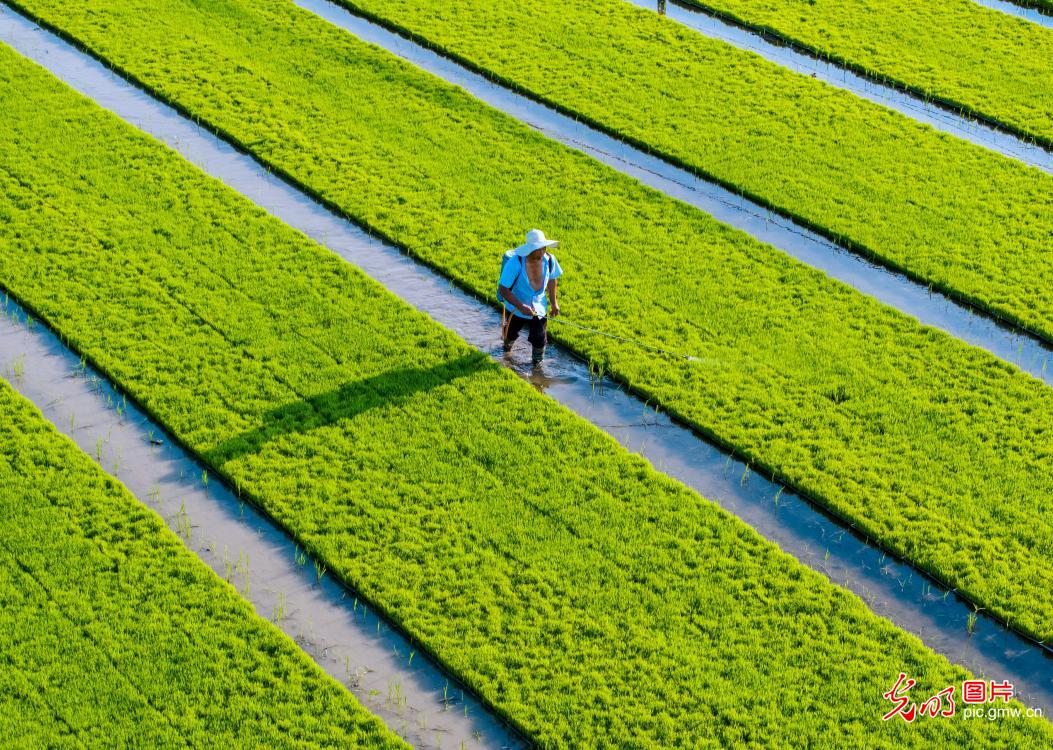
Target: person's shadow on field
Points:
(389, 388)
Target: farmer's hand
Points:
(554, 310)
(526, 309)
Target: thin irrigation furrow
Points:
(943, 114)
(906, 596)
(282, 580)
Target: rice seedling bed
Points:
(690, 627)
(113, 634)
(967, 57)
(933, 448)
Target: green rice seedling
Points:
(319, 571)
(19, 367)
(279, 608)
(970, 623)
(242, 569)
(183, 519)
(242, 564)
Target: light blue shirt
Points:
(515, 277)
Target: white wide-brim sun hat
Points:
(535, 239)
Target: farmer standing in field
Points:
(527, 289)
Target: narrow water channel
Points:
(941, 117)
(891, 588)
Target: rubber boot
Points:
(539, 354)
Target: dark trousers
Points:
(537, 336)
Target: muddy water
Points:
(915, 107)
(1028, 14)
(344, 636)
(892, 589)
